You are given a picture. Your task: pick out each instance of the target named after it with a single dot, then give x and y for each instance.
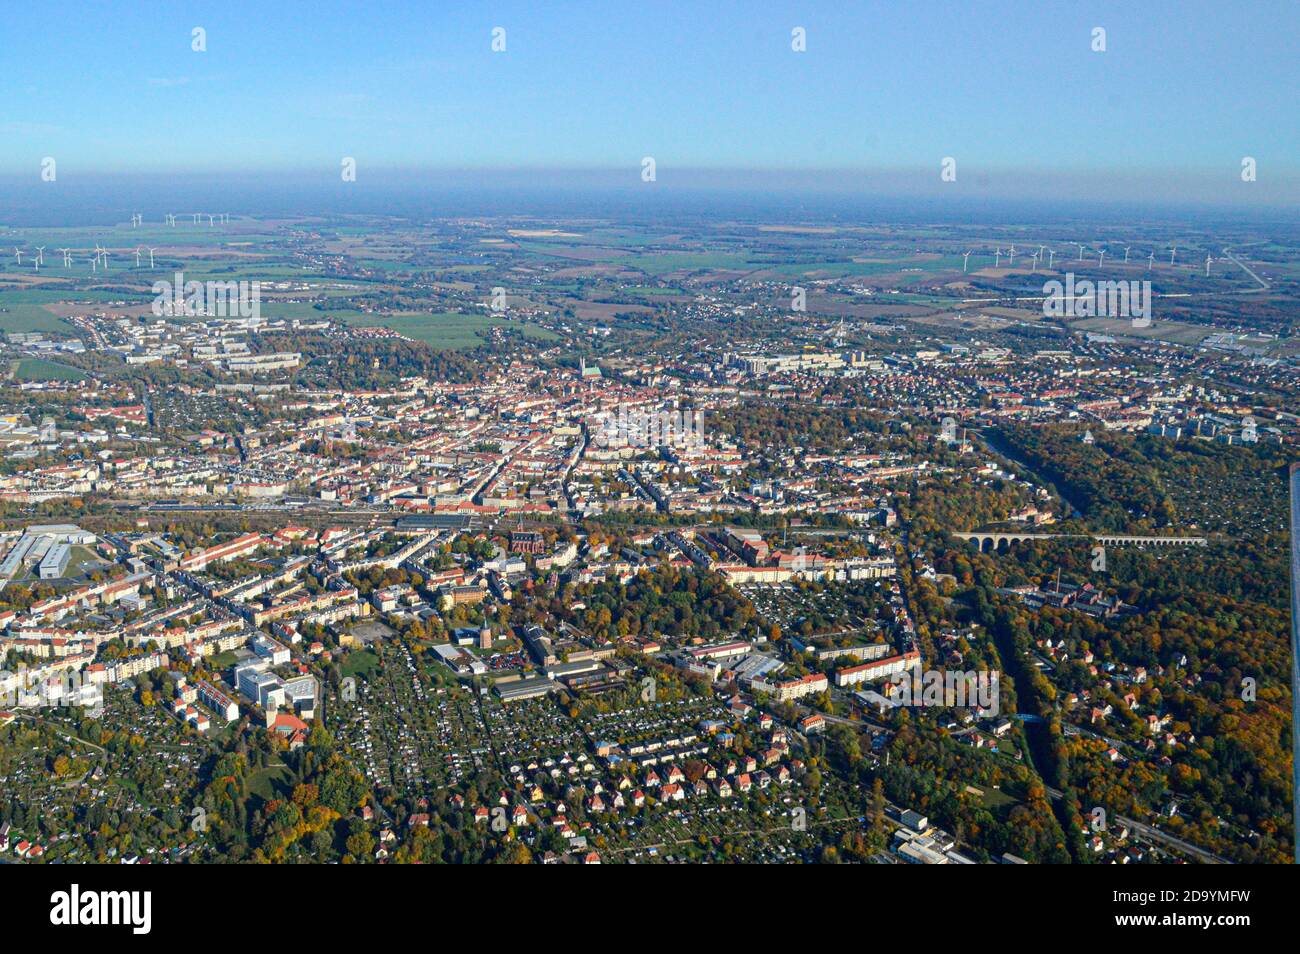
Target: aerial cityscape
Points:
(646, 520)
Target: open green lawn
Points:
(223, 660)
(995, 798)
(269, 783)
(360, 662)
(83, 560)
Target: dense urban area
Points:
(363, 540)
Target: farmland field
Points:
(38, 369)
(446, 330)
(24, 318)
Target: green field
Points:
(269, 783)
(83, 560)
(849, 269)
(995, 798)
(22, 309)
(38, 369)
(446, 331)
(306, 311)
(45, 296)
(667, 262)
(360, 662)
(223, 660)
(24, 318)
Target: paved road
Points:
(1264, 286)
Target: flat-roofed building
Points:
(878, 669)
(55, 561)
(524, 689)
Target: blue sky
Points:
(1008, 89)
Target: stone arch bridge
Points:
(990, 541)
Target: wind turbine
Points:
(1173, 249)
(1011, 252)
(1101, 257)
(211, 220)
(1126, 248)
(1151, 260)
(997, 261)
(196, 217)
(151, 251)
(1208, 260)
(1034, 256)
(1051, 257)
(67, 257)
(19, 252)
(40, 255)
(964, 257)
(137, 256)
(1081, 248)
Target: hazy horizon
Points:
(806, 196)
